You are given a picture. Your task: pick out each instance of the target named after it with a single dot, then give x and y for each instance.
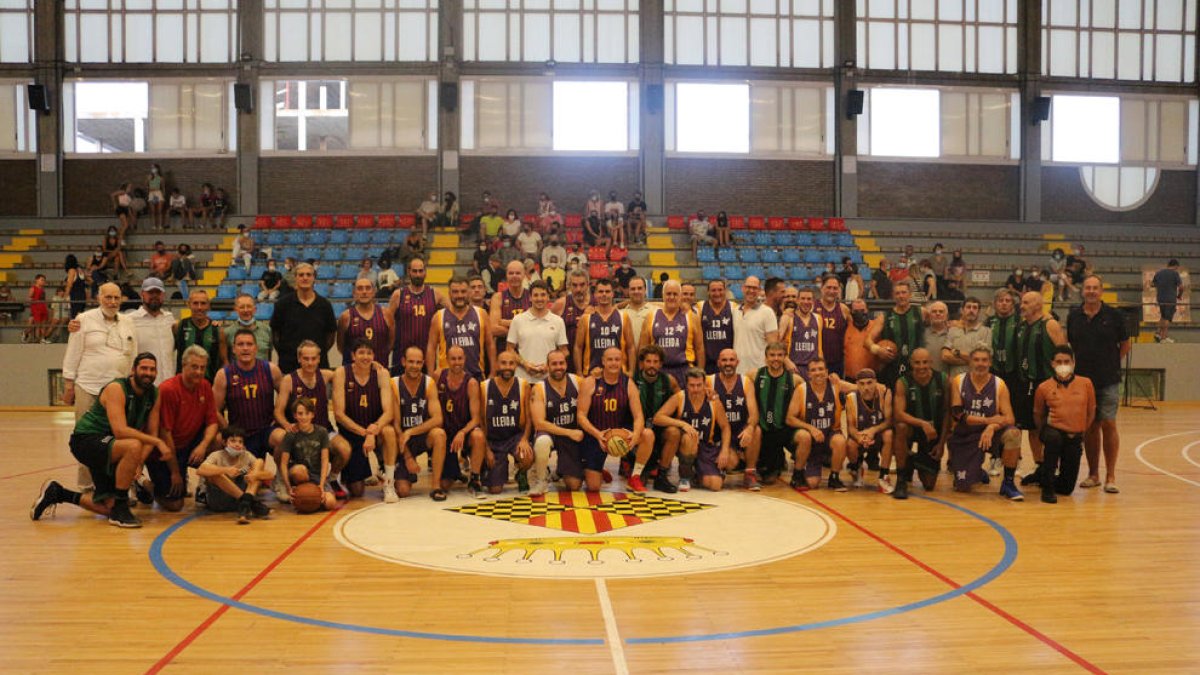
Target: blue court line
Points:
(1009, 557)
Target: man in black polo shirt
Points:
(301, 316)
(1097, 333)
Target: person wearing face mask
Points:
(427, 213)
(1016, 281)
(1064, 409)
(881, 282)
(236, 475)
(857, 356)
(508, 251)
(270, 284)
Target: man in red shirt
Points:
(188, 424)
(160, 261)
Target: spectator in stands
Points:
(479, 261)
(512, 224)
(388, 279)
(722, 230)
(658, 287)
(490, 222)
(554, 275)
(613, 207)
(97, 270)
(412, 249)
(853, 286)
(366, 270)
(553, 249)
(204, 205)
(576, 257)
(493, 274)
(183, 269)
(160, 261)
(114, 253)
(938, 263)
(957, 270)
(289, 275)
(39, 312)
(615, 228)
(427, 213)
(508, 250)
(636, 225)
(60, 314)
(1016, 281)
(1168, 288)
(1058, 275)
(899, 272)
(221, 206)
(529, 242)
(638, 202)
(594, 205)
(623, 275)
(531, 272)
(699, 229)
(270, 284)
(76, 284)
(448, 214)
(122, 202)
(243, 247)
(1033, 280)
(953, 297)
(926, 286)
(881, 282)
(593, 229)
(156, 197)
(6, 298)
(177, 206)
(547, 213)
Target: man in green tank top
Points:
(113, 439)
(903, 325)
(654, 389)
(1037, 336)
(1004, 324)
(777, 393)
(922, 416)
(200, 330)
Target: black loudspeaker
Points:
(1040, 110)
(654, 99)
(1133, 320)
(39, 98)
(449, 96)
(854, 103)
(243, 97)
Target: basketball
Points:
(307, 497)
(884, 346)
(618, 443)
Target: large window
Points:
(350, 30)
(764, 118)
(971, 36)
(963, 125)
(783, 33)
(542, 116)
(18, 124)
(16, 31)
(151, 31)
(361, 115)
(571, 31)
(157, 116)
(1152, 40)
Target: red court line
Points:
(1046, 639)
(30, 473)
(212, 618)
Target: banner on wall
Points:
(1150, 313)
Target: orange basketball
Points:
(307, 497)
(884, 346)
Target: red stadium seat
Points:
(598, 270)
(304, 221)
(597, 254)
(837, 224)
(529, 219)
(407, 221)
(816, 224)
(364, 221)
(756, 223)
(737, 223)
(676, 222)
(796, 224)
(618, 254)
(262, 222)
(325, 222)
(776, 223)
(574, 236)
(573, 220)
(283, 222)
(344, 222)
(387, 220)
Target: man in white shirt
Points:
(535, 333)
(965, 337)
(99, 353)
(699, 228)
(754, 325)
(529, 241)
(637, 309)
(553, 249)
(152, 326)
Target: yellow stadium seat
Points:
(663, 260)
(659, 242)
(445, 241)
(439, 275)
(443, 257)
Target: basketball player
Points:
(921, 416)
(362, 406)
(819, 418)
(365, 320)
(412, 307)
(801, 331)
(903, 325)
(112, 439)
(312, 382)
(736, 394)
(245, 390)
(716, 321)
(552, 404)
(776, 391)
(419, 429)
(200, 330)
(654, 388)
(699, 416)
(477, 292)
(574, 305)
(458, 394)
(835, 316)
(506, 424)
(676, 330)
(506, 304)
(868, 423)
(602, 327)
(609, 406)
(982, 418)
(1037, 336)
(459, 325)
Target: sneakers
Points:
(49, 497)
(389, 493)
(635, 485)
(798, 481)
(522, 481)
(606, 476)
(121, 516)
(1048, 496)
(142, 493)
(1032, 478)
(201, 495)
(243, 511)
(1167, 341)
(886, 486)
(336, 488)
(751, 482)
(901, 490)
(280, 493)
(858, 478)
(1010, 492)
(538, 486)
(685, 484)
(995, 466)
(835, 483)
(475, 487)
(259, 509)
(663, 484)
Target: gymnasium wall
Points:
(19, 178)
(87, 182)
(936, 190)
(1064, 199)
(345, 184)
(749, 187)
(516, 181)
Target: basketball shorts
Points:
(966, 457)
(259, 442)
(160, 471)
(591, 455)
(1167, 311)
(706, 460)
(497, 471)
(358, 467)
(570, 455)
(922, 459)
(1022, 403)
(95, 452)
(820, 455)
(775, 444)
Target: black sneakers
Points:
(901, 491)
(1032, 478)
(121, 516)
(663, 484)
(142, 493)
(49, 496)
(243, 510)
(259, 509)
(798, 481)
(835, 483)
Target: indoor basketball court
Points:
(776, 581)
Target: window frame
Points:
(30, 31)
(711, 15)
(24, 119)
(116, 15)
(472, 12)
(902, 35)
(272, 18)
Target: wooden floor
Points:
(1099, 582)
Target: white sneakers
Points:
(389, 492)
(886, 486)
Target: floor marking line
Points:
(30, 473)
(1042, 637)
(212, 618)
(610, 628)
(1137, 452)
(1187, 453)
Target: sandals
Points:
(438, 495)
(1090, 483)
(1111, 488)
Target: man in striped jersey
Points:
(365, 320)
(602, 327)
(700, 417)
(736, 394)
(505, 304)
(573, 306)
(419, 429)
(459, 325)
(922, 416)
(609, 405)
(552, 404)
(412, 307)
(245, 390)
(316, 383)
(459, 396)
(868, 425)
(777, 392)
(362, 406)
(905, 326)
(1037, 336)
(801, 331)
(817, 411)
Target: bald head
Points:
(938, 313)
(1031, 305)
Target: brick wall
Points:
(516, 181)
(87, 182)
(1065, 200)
(344, 184)
(19, 178)
(749, 187)
(949, 191)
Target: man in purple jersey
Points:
(311, 381)
(412, 307)
(365, 319)
(460, 398)
(982, 418)
(505, 304)
(674, 328)
(736, 394)
(800, 330)
(362, 405)
(461, 325)
(552, 404)
(609, 405)
(419, 427)
(716, 322)
(700, 417)
(835, 316)
(574, 305)
(245, 391)
(506, 424)
(602, 327)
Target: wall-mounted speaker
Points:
(1040, 110)
(39, 98)
(449, 96)
(654, 99)
(243, 97)
(854, 103)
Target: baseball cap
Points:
(153, 284)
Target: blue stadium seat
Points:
(710, 272)
(381, 236)
(824, 239)
(322, 288)
(856, 256)
(249, 288)
(360, 237)
(347, 270)
(706, 255)
(771, 255)
(318, 237)
(226, 292)
(782, 238)
(313, 252)
(342, 289)
(264, 311)
(761, 239)
(735, 290)
(792, 255)
(256, 271)
(777, 270)
(749, 255)
(355, 253)
(803, 239)
(812, 255)
(339, 237)
(288, 252)
(236, 273)
(295, 237)
(756, 271)
(216, 315)
(733, 272)
(865, 273)
(727, 255)
(271, 237)
(843, 239)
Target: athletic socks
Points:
(389, 472)
(638, 467)
(69, 496)
(1010, 472)
(883, 473)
